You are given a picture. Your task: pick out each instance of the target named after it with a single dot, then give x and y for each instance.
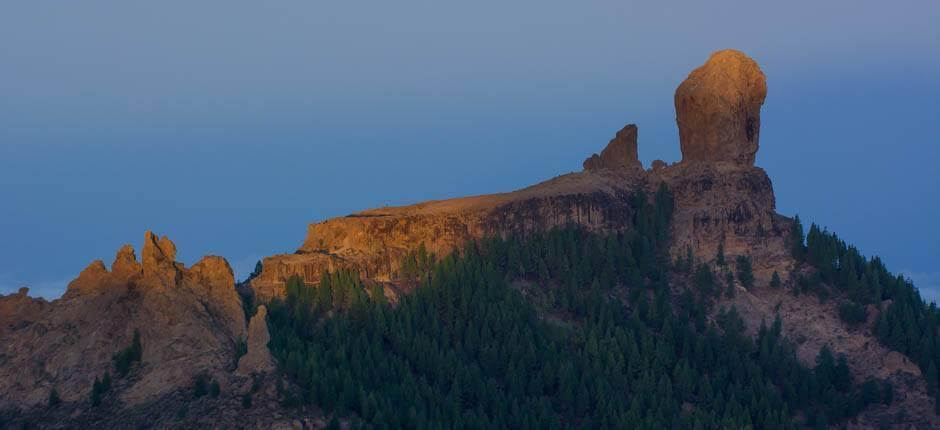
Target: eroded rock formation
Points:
(189, 320)
(258, 358)
(620, 153)
(718, 109)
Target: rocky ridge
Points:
(191, 319)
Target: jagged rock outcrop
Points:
(718, 109)
(258, 358)
(19, 310)
(374, 241)
(620, 153)
(713, 203)
(189, 320)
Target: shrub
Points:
(54, 399)
(853, 313)
(200, 386)
(241, 348)
(127, 356)
(745, 271)
(100, 387)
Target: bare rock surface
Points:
(718, 109)
(189, 321)
(714, 202)
(258, 358)
(810, 324)
(620, 153)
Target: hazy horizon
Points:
(230, 138)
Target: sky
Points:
(229, 126)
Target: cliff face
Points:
(721, 199)
(715, 203)
(720, 196)
(189, 321)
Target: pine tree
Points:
(797, 248)
(775, 280)
(729, 284)
(54, 399)
(745, 272)
(932, 379)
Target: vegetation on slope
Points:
(908, 324)
(553, 330)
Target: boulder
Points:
(718, 109)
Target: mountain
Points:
(690, 258)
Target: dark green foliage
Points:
(686, 263)
(95, 394)
(249, 307)
(182, 412)
(215, 389)
(241, 348)
(100, 387)
(334, 424)
(775, 280)
(720, 256)
(200, 386)
(246, 400)
(127, 356)
(729, 284)
(745, 272)
(909, 325)
(54, 399)
(608, 346)
(416, 264)
(705, 281)
(797, 247)
(853, 313)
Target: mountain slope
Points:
(722, 244)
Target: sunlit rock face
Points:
(620, 153)
(718, 109)
(189, 320)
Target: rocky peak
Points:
(157, 252)
(620, 153)
(718, 109)
(189, 320)
(91, 279)
(720, 197)
(125, 263)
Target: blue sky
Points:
(229, 126)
